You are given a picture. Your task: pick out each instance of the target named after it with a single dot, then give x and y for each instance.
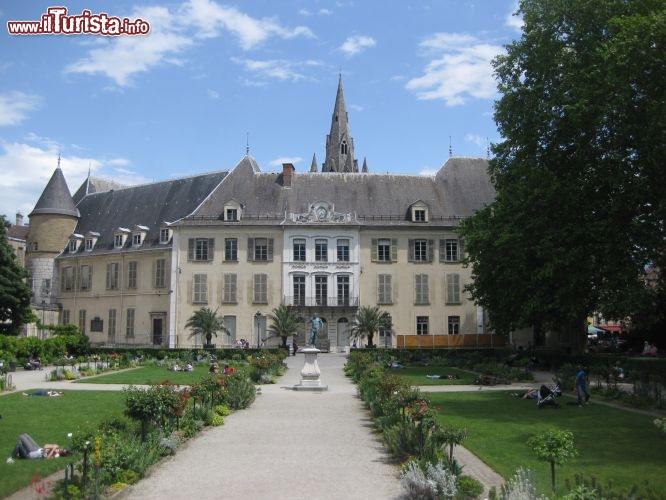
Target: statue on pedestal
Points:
(316, 323)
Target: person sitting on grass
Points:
(446, 377)
(529, 394)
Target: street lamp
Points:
(257, 316)
(43, 308)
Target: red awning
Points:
(612, 328)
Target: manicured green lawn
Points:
(47, 420)
(416, 375)
(616, 445)
(150, 374)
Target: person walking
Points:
(581, 386)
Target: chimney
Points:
(19, 219)
(287, 174)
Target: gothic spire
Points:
(313, 166)
(339, 142)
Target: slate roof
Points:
(95, 185)
(147, 205)
(15, 232)
(459, 188)
(55, 198)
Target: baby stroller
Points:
(548, 396)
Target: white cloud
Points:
(320, 12)
(356, 44)
(428, 172)
(25, 169)
(460, 69)
(477, 140)
(213, 94)
(172, 32)
(122, 57)
(15, 105)
(209, 18)
(295, 160)
(279, 69)
(513, 20)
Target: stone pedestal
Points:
(310, 374)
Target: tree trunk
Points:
(552, 474)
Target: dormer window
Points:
(165, 235)
(75, 242)
(138, 235)
(120, 236)
(91, 240)
(419, 212)
(232, 211)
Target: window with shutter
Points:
(453, 289)
(260, 289)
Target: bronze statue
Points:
(317, 323)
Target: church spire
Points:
(339, 142)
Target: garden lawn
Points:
(416, 375)
(149, 375)
(48, 420)
(614, 445)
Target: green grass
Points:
(149, 375)
(48, 420)
(616, 445)
(416, 375)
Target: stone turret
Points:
(52, 222)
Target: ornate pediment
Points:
(322, 212)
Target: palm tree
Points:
(368, 320)
(206, 322)
(284, 322)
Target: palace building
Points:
(130, 264)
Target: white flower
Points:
(10, 460)
(69, 435)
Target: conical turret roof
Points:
(56, 198)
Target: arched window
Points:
(343, 148)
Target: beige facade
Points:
(417, 276)
(117, 298)
(232, 268)
(130, 265)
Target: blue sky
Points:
(213, 76)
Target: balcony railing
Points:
(320, 301)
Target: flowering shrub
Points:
(520, 487)
(435, 482)
(418, 411)
(660, 423)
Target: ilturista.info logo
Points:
(57, 21)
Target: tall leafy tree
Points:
(554, 446)
(206, 323)
(15, 294)
(580, 204)
(368, 320)
(284, 322)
